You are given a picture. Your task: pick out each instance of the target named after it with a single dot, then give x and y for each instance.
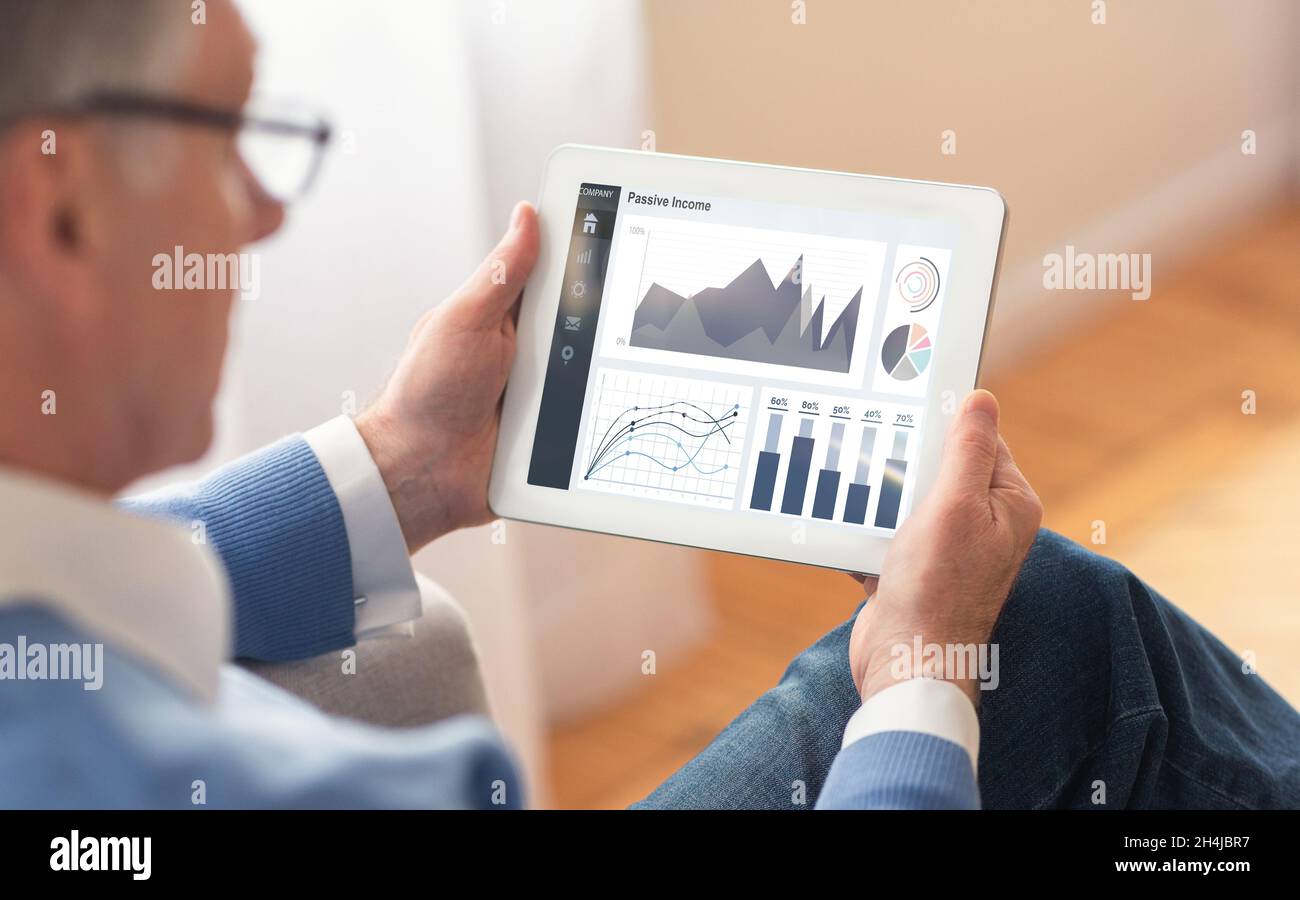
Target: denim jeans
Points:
(1106, 690)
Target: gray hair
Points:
(57, 52)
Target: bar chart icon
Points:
(828, 479)
(769, 459)
(855, 505)
(891, 485)
(796, 479)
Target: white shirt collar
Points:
(141, 585)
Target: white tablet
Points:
(750, 358)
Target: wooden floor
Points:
(1136, 421)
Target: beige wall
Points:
(1126, 133)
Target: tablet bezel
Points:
(980, 213)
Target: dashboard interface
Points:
(760, 358)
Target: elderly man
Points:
(124, 134)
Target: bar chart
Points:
(769, 458)
(859, 494)
(796, 480)
(828, 479)
(832, 459)
(891, 483)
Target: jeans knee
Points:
(1061, 573)
(1068, 614)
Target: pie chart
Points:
(906, 352)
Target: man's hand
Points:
(950, 568)
(433, 428)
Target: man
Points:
(119, 129)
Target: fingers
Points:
(487, 296)
(971, 451)
(868, 582)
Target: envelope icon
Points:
(573, 323)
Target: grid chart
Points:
(663, 437)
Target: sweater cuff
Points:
(276, 522)
(383, 582)
(923, 705)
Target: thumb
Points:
(971, 451)
(488, 294)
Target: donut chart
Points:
(918, 284)
(906, 352)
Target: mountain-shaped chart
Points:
(749, 319)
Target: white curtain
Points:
(445, 112)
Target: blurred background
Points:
(1169, 127)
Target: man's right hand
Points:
(950, 568)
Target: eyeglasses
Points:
(283, 146)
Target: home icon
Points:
(589, 224)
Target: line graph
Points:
(669, 438)
(651, 420)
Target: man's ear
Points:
(47, 189)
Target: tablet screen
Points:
(766, 359)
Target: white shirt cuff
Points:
(383, 581)
(925, 705)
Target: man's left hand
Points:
(433, 428)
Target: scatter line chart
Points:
(669, 438)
